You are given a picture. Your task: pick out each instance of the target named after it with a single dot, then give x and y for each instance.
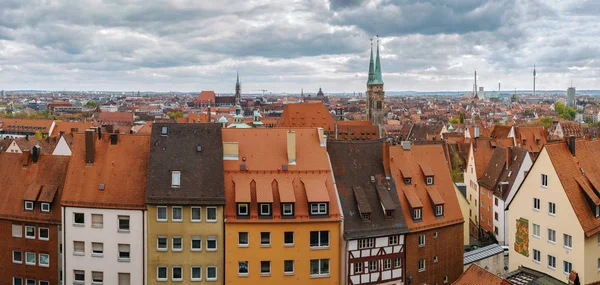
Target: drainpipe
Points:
(145, 262)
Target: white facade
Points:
(384, 251)
(111, 238)
(14, 148)
(470, 180)
(62, 148)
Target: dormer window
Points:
(164, 131)
(389, 214)
(29, 205)
(597, 211)
(287, 209)
(429, 180)
(318, 208)
(243, 209)
(265, 209)
(439, 210)
(407, 181)
(46, 207)
(417, 214)
(366, 217)
(175, 179)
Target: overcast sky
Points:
(286, 45)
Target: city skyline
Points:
(284, 47)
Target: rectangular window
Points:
(17, 281)
(551, 262)
(44, 259)
(196, 273)
(536, 230)
(318, 208)
(29, 206)
(265, 239)
(417, 214)
(288, 238)
(17, 257)
(551, 209)
(243, 209)
(567, 241)
(161, 214)
(537, 256)
(319, 239)
(243, 268)
(78, 248)
(421, 265)
(366, 243)
(175, 179)
(211, 243)
(265, 268)
(177, 273)
(123, 223)
(288, 209)
(544, 180)
(551, 235)
(177, 214)
(211, 214)
(162, 273)
(97, 249)
(177, 244)
(288, 267)
(393, 240)
(97, 221)
(17, 231)
(397, 262)
(496, 216)
(164, 131)
(196, 243)
(373, 265)
(211, 273)
(319, 267)
(79, 275)
(196, 214)
(421, 240)
(387, 264)
(29, 232)
(30, 258)
(78, 219)
(124, 252)
(536, 204)
(161, 243)
(265, 209)
(567, 267)
(429, 180)
(243, 239)
(358, 267)
(124, 279)
(439, 210)
(45, 207)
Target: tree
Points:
(567, 113)
(457, 173)
(175, 115)
(462, 118)
(91, 103)
(453, 121)
(38, 135)
(546, 122)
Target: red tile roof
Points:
(306, 115)
(206, 96)
(121, 168)
(66, 127)
(115, 117)
(475, 275)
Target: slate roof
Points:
(482, 253)
(45, 179)
(306, 115)
(354, 163)
(357, 132)
(475, 275)
(201, 171)
(120, 169)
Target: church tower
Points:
(238, 89)
(375, 93)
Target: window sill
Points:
(551, 215)
(553, 268)
(44, 239)
(242, 245)
(30, 264)
(552, 242)
(319, 247)
(78, 282)
(163, 220)
(421, 270)
(162, 249)
(195, 221)
(123, 231)
(79, 225)
(124, 259)
(196, 249)
(17, 262)
(29, 237)
(211, 249)
(242, 274)
(44, 265)
(288, 245)
(96, 226)
(79, 253)
(265, 245)
(160, 280)
(177, 221)
(567, 248)
(211, 279)
(545, 187)
(177, 280)
(320, 276)
(265, 274)
(176, 250)
(196, 279)
(211, 221)
(288, 274)
(536, 262)
(421, 245)
(97, 254)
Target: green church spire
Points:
(371, 72)
(377, 79)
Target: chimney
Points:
(291, 147)
(572, 145)
(36, 153)
(61, 133)
(27, 137)
(114, 138)
(99, 133)
(26, 157)
(89, 146)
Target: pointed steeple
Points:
(237, 83)
(371, 71)
(377, 79)
(238, 89)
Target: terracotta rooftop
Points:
(306, 115)
(482, 151)
(531, 138)
(500, 131)
(117, 177)
(431, 155)
(205, 96)
(116, 117)
(356, 132)
(475, 275)
(26, 125)
(41, 182)
(67, 127)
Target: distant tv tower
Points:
(475, 85)
(534, 79)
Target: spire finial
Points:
(371, 66)
(377, 79)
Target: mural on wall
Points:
(522, 237)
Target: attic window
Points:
(199, 148)
(366, 217)
(46, 207)
(429, 180)
(164, 131)
(407, 181)
(29, 205)
(417, 214)
(439, 210)
(175, 179)
(389, 214)
(597, 211)
(101, 187)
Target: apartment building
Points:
(185, 200)
(103, 203)
(30, 192)
(16, 128)
(373, 244)
(555, 215)
(434, 246)
(283, 219)
(479, 155)
(502, 177)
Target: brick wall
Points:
(448, 247)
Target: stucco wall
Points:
(464, 209)
(470, 179)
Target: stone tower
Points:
(375, 93)
(238, 89)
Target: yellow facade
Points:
(277, 252)
(464, 209)
(186, 258)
